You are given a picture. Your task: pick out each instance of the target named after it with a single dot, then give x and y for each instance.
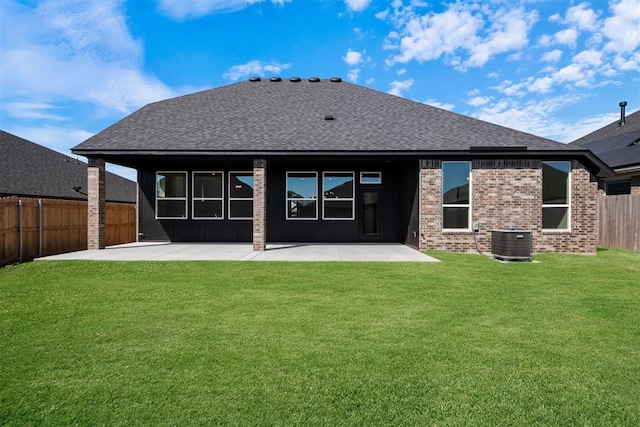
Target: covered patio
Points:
(167, 251)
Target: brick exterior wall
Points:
(96, 205)
(507, 194)
(259, 204)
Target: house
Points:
(322, 160)
(31, 170)
(618, 145)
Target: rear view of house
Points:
(322, 160)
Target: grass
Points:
(468, 341)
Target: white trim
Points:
(287, 199)
(559, 205)
(186, 198)
(370, 183)
(458, 205)
(238, 198)
(205, 199)
(352, 199)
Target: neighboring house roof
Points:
(31, 170)
(296, 117)
(618, 145)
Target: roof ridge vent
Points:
(295, 79)
(254, 79)
(314, 79)
(275, 79)
(336, 79)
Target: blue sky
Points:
(554, 68)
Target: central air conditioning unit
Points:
(511, 244)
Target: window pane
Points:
(370, 178)
(241, 185)
(302, 209)
(338, 185)
(207, 208)
(555, 179)
(370, 213)
(172, 184)
(455, 218)
(302, 185)
(455, 182)
(241, 209)
(207, 185)
(338, 209)
(555, 218)
(171, 209)
(613, 188)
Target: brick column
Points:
(96, 204)
(430, 206)
(259, 204)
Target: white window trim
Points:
(370, 183)
(351, 199)
(563, 205)
(288, 199)
(186, 198)
(458, 205)
(238, 198)
(194, 198)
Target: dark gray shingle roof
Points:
(617, 145)
(31, 170)
(632, 123)
(285, 116)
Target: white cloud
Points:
(254, 68)
(437, 104)
(566, 37)
(401, 71)
(353, 75)
(478, 101)
(357, 5)
(60, 139)
(623, 28)
(75, 50)
(478, 33)
(352, 57)
(30, 110)
(382, 15)
(582, 18)
(552, 56)
(398, 87)
(183, 9)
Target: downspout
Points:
(20, 229)
(39, 228)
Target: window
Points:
(338, 199)
(171, 195)
(614, 188)
(555, 195)
(302, 195)
(208, 195)
(456, 201)
(370, 178)
(240, 195)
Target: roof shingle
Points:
(31, 170)
(286, 116)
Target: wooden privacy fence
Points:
(619, 221)
(31, 228)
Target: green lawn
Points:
(469, 341)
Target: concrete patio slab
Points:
(166, 251)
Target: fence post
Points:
(39, 228)
(20, 230)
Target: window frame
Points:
(370, 183)
(352, 199)
(567, 205)
(203, 199)
(231, 199)
(288, 199)
(458, 205)
(185, 198)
